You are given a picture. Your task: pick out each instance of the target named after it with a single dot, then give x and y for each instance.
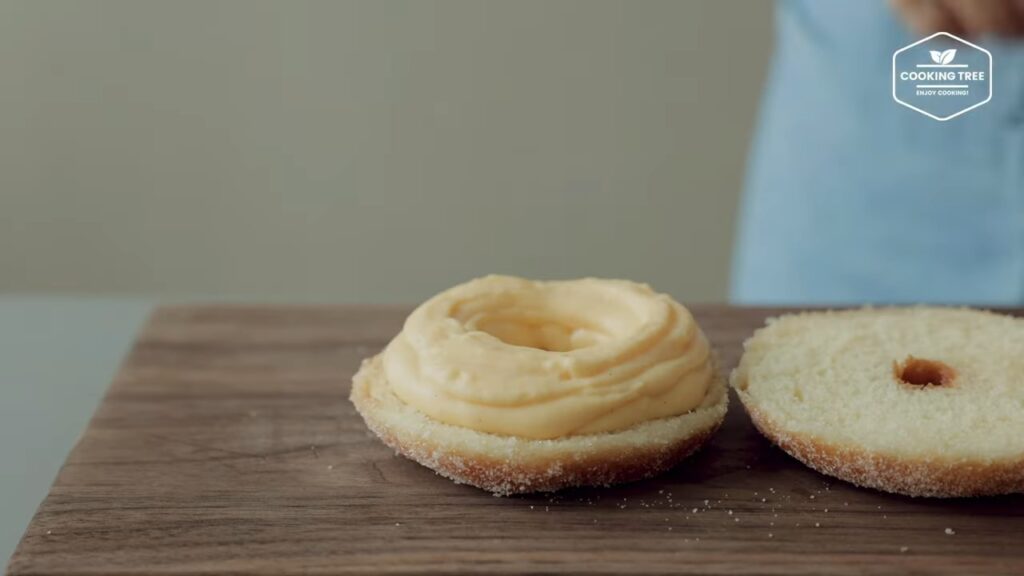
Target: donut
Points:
(515, 386)
(921, 401)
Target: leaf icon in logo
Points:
(936, 56)
(947, 56)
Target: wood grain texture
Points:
(227, 445)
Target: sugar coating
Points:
(507, 465)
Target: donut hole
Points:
(923, 372)
(557, 317)
(550, 335)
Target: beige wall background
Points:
(371, 151)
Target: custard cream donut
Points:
(919, 401)
(515, 386)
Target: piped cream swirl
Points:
(552, 359)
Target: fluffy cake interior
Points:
(841, 378)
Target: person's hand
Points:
(963, 17)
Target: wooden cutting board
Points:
(226, 444)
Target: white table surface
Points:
(57, 356)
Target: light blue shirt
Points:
(852, 198)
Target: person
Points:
(851, 198)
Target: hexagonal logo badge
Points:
(942, 76)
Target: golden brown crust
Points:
(504, 478)
(912, 477)
(507, 465)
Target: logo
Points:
(942, 76)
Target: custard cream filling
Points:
(544, 360)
